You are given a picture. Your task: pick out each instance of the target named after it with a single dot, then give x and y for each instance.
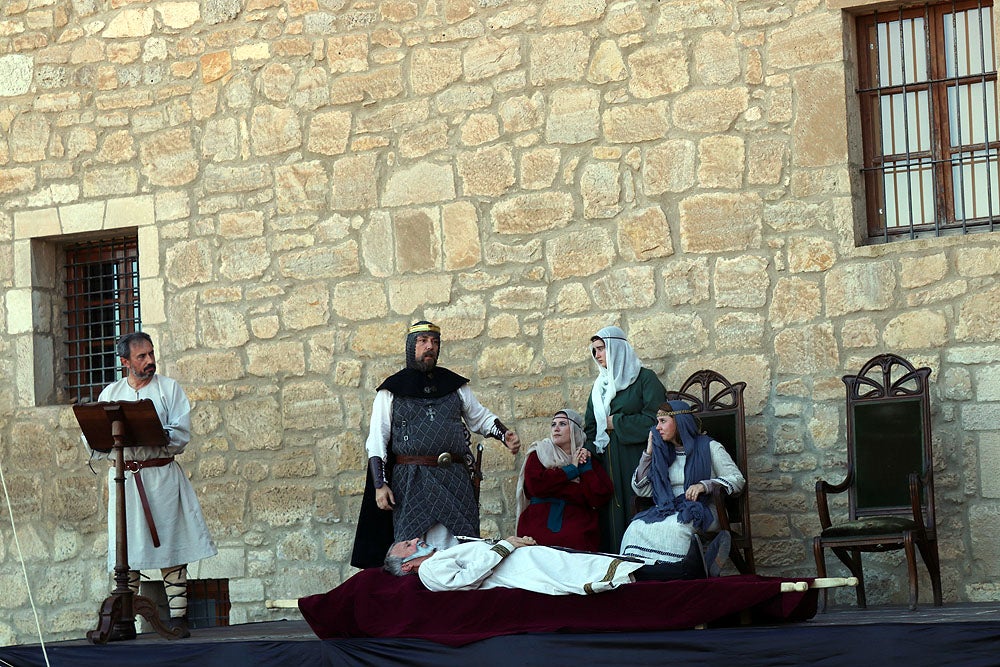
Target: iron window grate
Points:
(102, 303)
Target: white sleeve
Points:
(641, 483)
(477, 418)
(724, 471)
(178, 417)
(463, 567)
(380, 426)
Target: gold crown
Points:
(420, 327)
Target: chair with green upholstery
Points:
(890, 477)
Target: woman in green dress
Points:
(620, 411)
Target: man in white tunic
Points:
(517, 562)
(166, 529)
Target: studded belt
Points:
(442, 460)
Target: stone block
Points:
(710, 111)
(739, 332)
(321, 262)
(717, 58)
(981, 416)
(487, 172)
(975, 262)
(916, 330)
(15, 74)
(574, 116)
(989, 463)
(807, 349)
(810, 254)
(686, 281)
(464, 319)
(532, 213)
(742, 282)
(978, 317)
(579, 253)
(422, 183)
(658, 70)
(626, 288)
(490, 56)
(851, 288)
(408, 294)
(645, 233)
(607, 64)
(984, 549)
(721, 222)
(558, 56)
(794, 301)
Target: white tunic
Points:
(181, 527)
(480, 565)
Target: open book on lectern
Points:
(141, 425)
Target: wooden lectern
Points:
(114, 426)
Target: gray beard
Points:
(425, 366)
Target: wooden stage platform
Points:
(964, 634)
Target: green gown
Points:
(633, 413)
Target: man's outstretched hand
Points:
(512, 441)
(521, 541)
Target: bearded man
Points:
(165, 526)
(419, 459)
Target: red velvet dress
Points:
(579, 514)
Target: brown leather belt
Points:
(442, 460)
(135, 467)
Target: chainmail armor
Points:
(426, 495)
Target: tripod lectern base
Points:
(116, 620)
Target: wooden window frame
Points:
(940, 156)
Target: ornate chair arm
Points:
(719, 495)
(823, 488)
(918, 513)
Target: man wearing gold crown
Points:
(419, 459)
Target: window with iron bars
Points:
(927, 93)
(102, 303)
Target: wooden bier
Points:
(113, 426)
(820, 582)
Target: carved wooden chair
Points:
(718, 405)
(890, 477)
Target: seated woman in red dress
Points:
(560, 488)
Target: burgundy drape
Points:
(374, 603)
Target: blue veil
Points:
(697, 467)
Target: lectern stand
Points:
(114, 426)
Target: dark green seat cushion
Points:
(873, 525)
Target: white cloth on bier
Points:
(478, 565)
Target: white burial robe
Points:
(184, 537)
(480, 565)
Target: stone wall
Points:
(306, 177)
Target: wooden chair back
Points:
(889, 437)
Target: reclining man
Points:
(517, 562)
